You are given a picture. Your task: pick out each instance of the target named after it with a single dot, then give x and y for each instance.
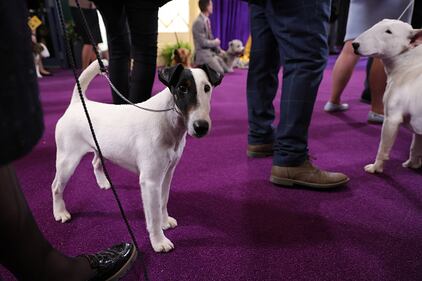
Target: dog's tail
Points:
(85, 78)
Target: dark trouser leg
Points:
(143, 25)
(262, 80)
(300, 28)
(114, 17)
(23, 249)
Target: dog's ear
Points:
(170, 75)
(415, 37)
(214, 76)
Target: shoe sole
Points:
(253, 154)
(373, 122)
(290, 182)
(336, 110)
(125, 268)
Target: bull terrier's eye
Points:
(388, 31)
(183, 89)
(207, 88)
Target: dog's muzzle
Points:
(200, 128)
(356, 46)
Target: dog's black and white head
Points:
(387, 39)
(192, 90)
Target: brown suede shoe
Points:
(260, 150)
(306, 175)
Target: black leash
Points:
(72, 60)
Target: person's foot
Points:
(375, 118)
(306, 175)
(333, 107)
(45, 73)
(259, 150)
(113, 263)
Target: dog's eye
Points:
(388, 31)
(183, 89)
(207, 88)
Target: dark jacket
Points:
(21, 123)
(257, 2)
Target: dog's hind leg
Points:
(99, 172)
(151, 180)
(390, 128)
(415, 157)
(168, 222)
(65, 166)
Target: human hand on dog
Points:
(217, 41)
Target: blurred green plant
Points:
(70, 29)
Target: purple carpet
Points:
(233, 223)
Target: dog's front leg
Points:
(390, 128)
(168, 222)
(415, 158)
(151, 180)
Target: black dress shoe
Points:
(113, 263)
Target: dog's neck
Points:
(405, 62)
(174, 122)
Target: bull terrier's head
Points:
(387, 39)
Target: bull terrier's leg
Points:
(390, 128)
(415, 157)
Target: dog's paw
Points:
(373, 168)
(170, 223)
(62, 216)
(413, 163)
(104, 184)
(162, 245)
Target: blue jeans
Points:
(292, 34)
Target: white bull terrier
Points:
(397, 44)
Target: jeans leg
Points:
(301, 29)
(114, 17)
(262, 81)
(143, 25)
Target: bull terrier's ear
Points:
(170, 75)
(214, 77)
(415, 37)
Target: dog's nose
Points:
(201, 128)
(355, 46)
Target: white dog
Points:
(231, 56)
(397, 44)
(149, 143)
